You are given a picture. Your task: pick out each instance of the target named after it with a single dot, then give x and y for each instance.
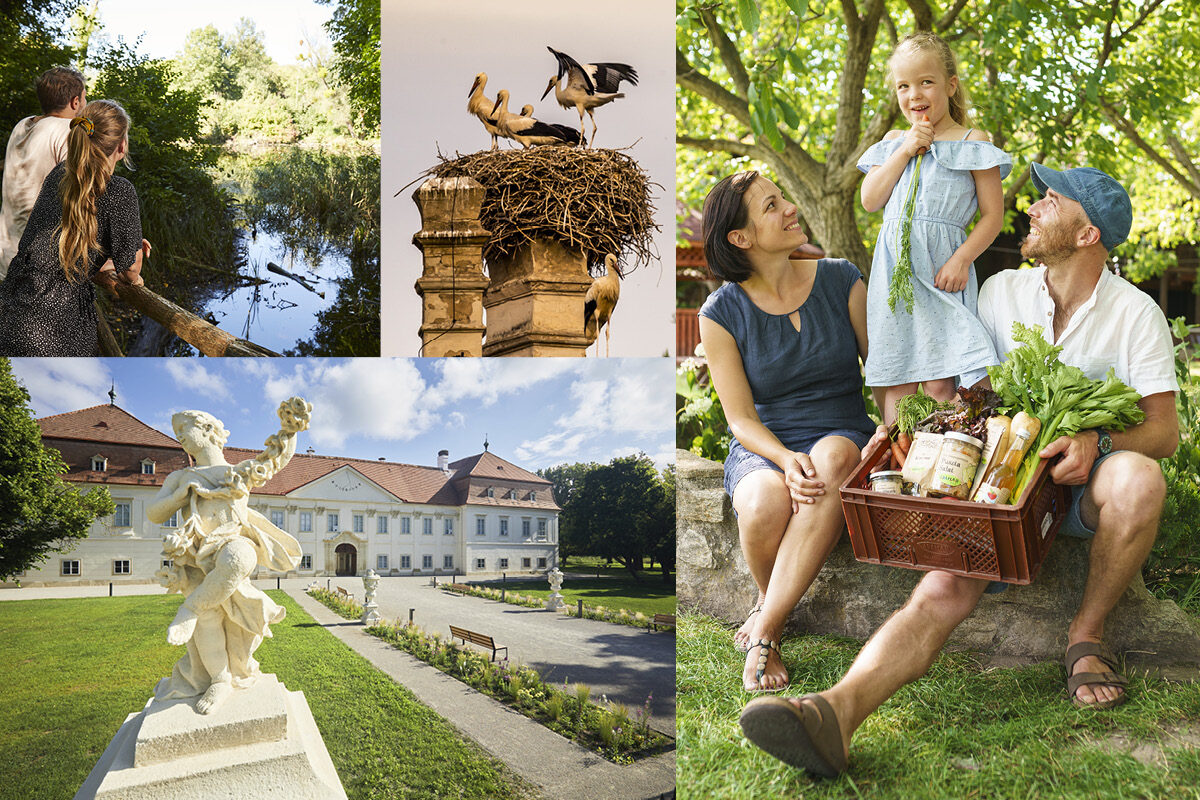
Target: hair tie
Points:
(89, 127)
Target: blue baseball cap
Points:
(1105, 201)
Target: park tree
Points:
(32, 32)
(355, 29)
(618, 511)
(205, 66)
(40, 514)
(566, 480)
(797, 87)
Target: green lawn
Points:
(651, 596)
(595, 565)
(73, 669)
(961, 732)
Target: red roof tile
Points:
(105, 423)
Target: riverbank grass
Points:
(962, 731)
(73, 669)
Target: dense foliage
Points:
(700, 424)
(39, 513)
(32, 33)
(624, 510)
(355, 30)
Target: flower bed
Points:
(337, 604)
(618, 616)
(608, 729)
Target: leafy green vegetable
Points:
(1033, 379)
(900, 286)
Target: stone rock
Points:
(262, 744)
(1023, 624)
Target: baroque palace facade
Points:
(478, 516)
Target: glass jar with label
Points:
(887, 481)
(955, 467)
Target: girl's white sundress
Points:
(942, 337)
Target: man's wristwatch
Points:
(1104, 443)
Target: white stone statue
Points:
(370, 607)
(555, 600)
(219, 543)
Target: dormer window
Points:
(491, 492)
(147, 467)
(99, 464)
(532, 497)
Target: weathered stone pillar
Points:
(848, 598)
(451, 285)
(535, 302)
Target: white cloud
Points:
(373, 398)
(486, 380)
(456, 420)
(190, 374)
(58, 385)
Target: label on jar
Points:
(990, 494)
(955, 470)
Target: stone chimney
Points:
(444, 460)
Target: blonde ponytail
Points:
(93, 137)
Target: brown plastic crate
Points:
(1001, 543)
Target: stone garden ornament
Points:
(220, 542)
(555, 600)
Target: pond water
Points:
(280, 312)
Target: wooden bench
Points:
(477, 638)
(662, 620)
(345, 594)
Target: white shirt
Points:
(35, 147)
(1119, 326)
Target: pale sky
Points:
(535, 412)
(164, 26)
(431, 54)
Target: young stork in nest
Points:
(599, 302)
(587, 86)
(525, 129)
(481, 107)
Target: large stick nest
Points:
(596, 201)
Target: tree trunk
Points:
(840, 237)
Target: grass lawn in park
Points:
(73, 669)
(962, 731)
(596, 565)
(651, 596)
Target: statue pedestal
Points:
(262, 742)
(554, 602)
(371, 614)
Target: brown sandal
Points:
(807, 737)
(1074, 682)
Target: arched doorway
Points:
(347, 559)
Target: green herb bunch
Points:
(900, 286)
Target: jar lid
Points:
(885, 473)
(964, 437)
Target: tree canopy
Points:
(797, 87)
(40, 514)
(624, 510)
(355, 30)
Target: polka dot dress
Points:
(41, 312)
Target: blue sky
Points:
(534, 412)
(164, 26)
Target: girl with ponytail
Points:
(85, 227)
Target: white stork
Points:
(481, 107)
(587, 86)
(527, 130)
(599, 302)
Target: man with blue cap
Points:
(1101, 321)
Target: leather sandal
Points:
(743, 647)
(764, 648)
(808, 737)
(1074, 682)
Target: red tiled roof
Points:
(489, 465)
(105, 423)
(407, 482)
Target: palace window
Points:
(167, 562)
(99, 463)
(525, 528)
(306, 522)
(173, 520)
(427, 526)
(381, 562)
(70, 566)
(541, 563)
(526, 563)
(406, 525)
(358, 523)
(405, 562)
(122, 514)
(147, 467)
(333, 523)
(481, 526)
(381, 524)
(121, 566)
(426, 562)
(480, 564)
(504, 526)
(306, 561)
(447, 562)
(541, 537)
(448, 528)
(491, 492)
(503, 563)
(533, 497)
(277, 519)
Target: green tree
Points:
(32, 33)
(566, 479)
(797, 87)
(205, 66)
(39, 513)
(354, 30)
(619, 511)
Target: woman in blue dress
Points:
(783, 340)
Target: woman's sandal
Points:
(808, 737)
(1074, 682)
(744, 646)
(764, 647)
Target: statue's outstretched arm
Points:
(294, 416)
